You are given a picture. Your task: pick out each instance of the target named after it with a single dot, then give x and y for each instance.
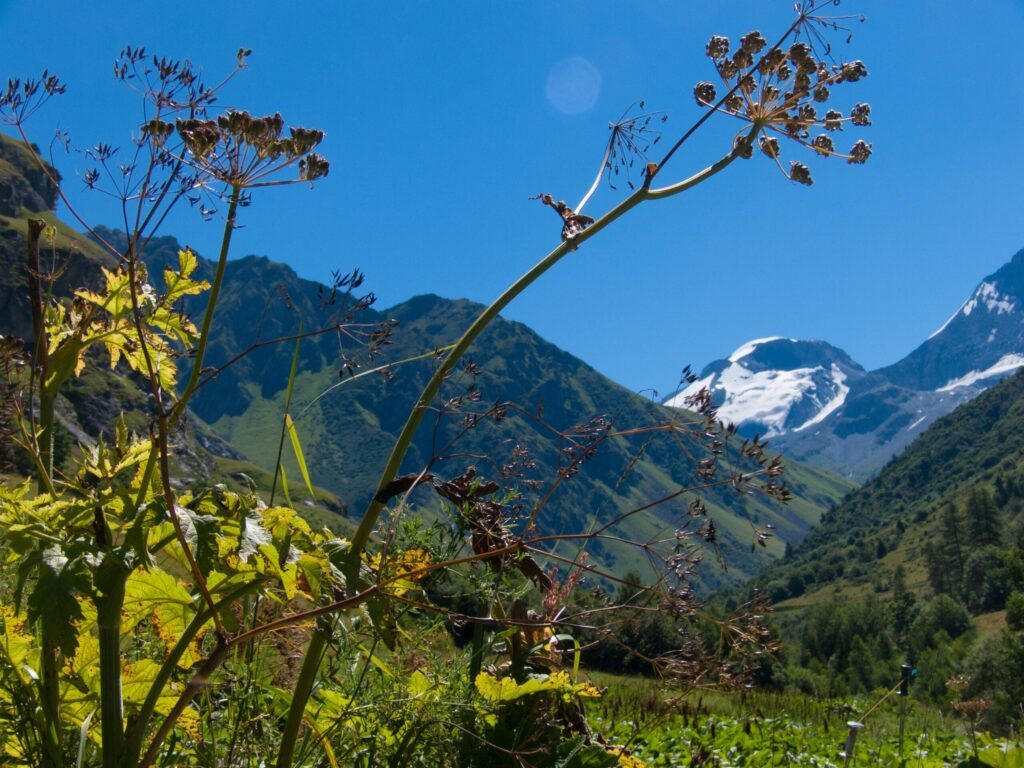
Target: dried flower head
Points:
(22, 98)
(239, 149)
(777, 90)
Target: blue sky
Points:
(444, 118)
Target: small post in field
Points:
(905, 673)
(851, 741)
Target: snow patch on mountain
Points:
(791, 394)
(1006, 364)
(747, 349)
(989, 295)
(842, 390)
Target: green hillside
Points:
(922, 565)
(547, 398)
(896, 519)
(347, 432)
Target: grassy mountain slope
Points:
(891, 521)
(91, 403)
(347, 434)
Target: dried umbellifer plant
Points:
(786, 94)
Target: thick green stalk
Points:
(404, 440)
(108, 617)
(50, 687)
(204, 333)
(300, 696)
(50, 652)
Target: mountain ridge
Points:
(546, 399)
(831, 412)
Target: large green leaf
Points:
(53, 601)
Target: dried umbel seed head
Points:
(242, 150)
(157, 130)
(860, 113)
(744, 147)
(823, 144)
(799, 52)
(859, 153)
(304, 140)
(769, 145)
(718, 47)
(779, 90)
(800, 173)
(771, 61)
(851, 72)
(753, 42)
(705, 93)
(743, 58)
(727, 69)
(199, 136)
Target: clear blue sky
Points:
(441, 124)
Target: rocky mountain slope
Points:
(541, 403)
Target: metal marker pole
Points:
(851, 741)
(905, 671)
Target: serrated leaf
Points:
(17, 644)
(252, 535)
(180, 283)
(500, 690)
(156, 595)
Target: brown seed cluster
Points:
(239, 148)
(784, 93)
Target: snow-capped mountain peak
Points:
(821, 407)
(746, 349)
(776, 385)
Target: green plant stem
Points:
(40, 352)
(50, 651)
(136, 731)
(50, 686)
(204, 333)
(404, 440)
(108, 617)
(216, 658)
(300, 696)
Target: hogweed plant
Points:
(149, 625)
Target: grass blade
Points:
(293, 434)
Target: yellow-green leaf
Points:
(297, 447)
